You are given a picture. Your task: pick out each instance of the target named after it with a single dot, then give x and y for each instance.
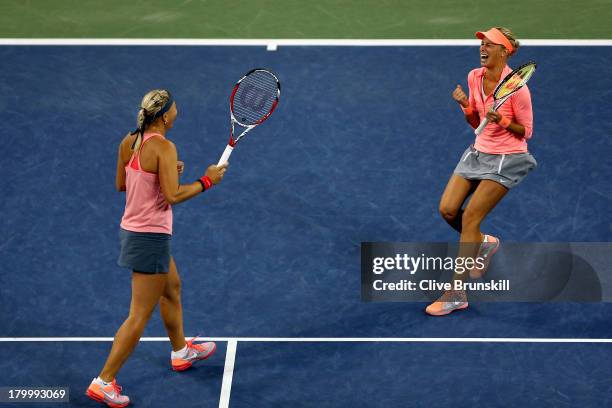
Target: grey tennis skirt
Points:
(144, 252)
(506, 169)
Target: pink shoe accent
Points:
(486, 251)
(195, 352)
(447, 303)
(109, 395)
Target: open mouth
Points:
(484, 57)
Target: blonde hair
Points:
(511, 37)
(151, 104)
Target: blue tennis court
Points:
(360, 149)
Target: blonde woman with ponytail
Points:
(148, 171)
(496, 162)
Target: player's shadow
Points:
(543, 273)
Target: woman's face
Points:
(170, 116)
(491, 54)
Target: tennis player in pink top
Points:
(496, 162)
(148, 171)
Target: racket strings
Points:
(515, 82)
(255, 97)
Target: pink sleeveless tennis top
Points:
(146, 210)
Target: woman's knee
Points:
(138, 321)
(139, 316)
(449, 213)
(172, 291)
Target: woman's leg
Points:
(171, 310)
(488, 194)
(456, 192)
(483, 200)
(146, 291)
(184, 354)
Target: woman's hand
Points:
(461, 97)
(216, 173)
(494, 117)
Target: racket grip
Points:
(225, 156)
(481, 127)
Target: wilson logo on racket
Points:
(253, 99)
(508, 86)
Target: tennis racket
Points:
(253, 99)
(509, 85)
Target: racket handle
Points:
(482, 126)
(225, 156)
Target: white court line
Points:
(232, 342)
(228, 373)
(330, 339)
(272, 44)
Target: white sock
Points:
(101, 381)
(180, 353)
